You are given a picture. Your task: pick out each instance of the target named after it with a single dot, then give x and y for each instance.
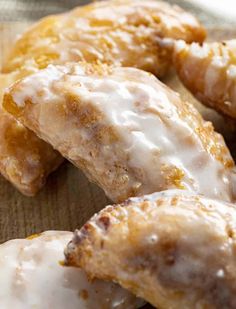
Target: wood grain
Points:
(68, 199)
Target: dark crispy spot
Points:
(141, 259)
(174, 201)
(80, 235)
(229, 231)
(126, 203)
(170, 259)
(104, 222)
(159, 202)
(70, 259)
(169, 248)
(84, 294)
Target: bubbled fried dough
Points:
(25, 160)
(33, 275)
(209, 72)
(126, 130)
(116, 32)
(172, 248)
(122, 32)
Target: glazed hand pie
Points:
(209, 72)
(25, 160)
(32, 275)
(173, 248)
(127, 131)
(119, 32)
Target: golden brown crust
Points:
(209, 72)
(25, 160)
(126, 130)
(122, 32)
(173, 248)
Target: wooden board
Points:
(68, 199)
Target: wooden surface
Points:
(68, 199)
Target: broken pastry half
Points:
(25, 160)
(117, 32)
(127, 131)
(175, 249)
(32, 275)
(209, 72)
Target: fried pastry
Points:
(25, 160)
(172, 248)
(122, 32)
(119, 32)
(209, 72)
(127, 131)
(33, 276)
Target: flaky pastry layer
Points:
(209, 72)
(175, 249)
(126, 130)
(25, 160)
(118, 32)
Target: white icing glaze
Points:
(191, 263)
(180, 45)
(197, 213)
(146, 116)
(31, 277)
(198, 51)
(209, 71)
(113, 32)
(231, 72)
(220, 273)
(188, 197)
